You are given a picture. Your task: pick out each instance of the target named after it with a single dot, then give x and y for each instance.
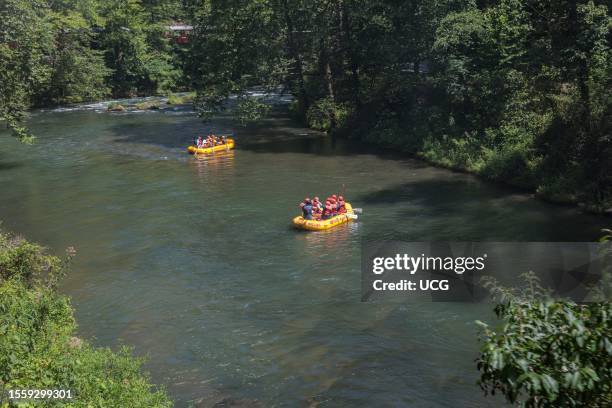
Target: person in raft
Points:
(212, 140)
(341, 207)
(306, 207)
(334, 205)
(333, 200)
(200, 142)
(328, 211)
(317, 208)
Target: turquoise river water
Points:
(193, 262)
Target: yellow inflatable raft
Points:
(203, 150)
(320, 225)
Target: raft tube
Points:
(204, 150)
(320, 225)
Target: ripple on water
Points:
(193, 261)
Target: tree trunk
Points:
(330, 91)
(295, 55)
(345, 27)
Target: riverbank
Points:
(151, 102)
(507, 155)
(39, 349)
(546, 193)
(517, 167)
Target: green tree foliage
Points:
(126, 38)
(38, 347)
(78, 71)
(529, 83)
(67, 51)
(547, 353)
(235, 47)
(25, 38)
(514, 90)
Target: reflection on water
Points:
(215, 165)
(194, 262)
(329, 241)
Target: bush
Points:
(514, 164)
(115, 107)
(324, 112)
(547, 353)
(174, 99)
(464, 153)
(152, 105)
(250, 109)
(26, 263)
(38, 347)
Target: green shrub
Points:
(547, 353)
(26, 262)
(148, 105)
(514, 164)
(38, 347)
(174, 99)
(115, 107)
(464, 153)
(249, 109)
(325, 111)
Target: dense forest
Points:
(515, 90)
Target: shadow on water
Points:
(444, 194)
(452, 198)
(463, 200)
(7, 164)
(171, 135)
(277, 134)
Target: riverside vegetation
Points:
(517, 91)
(549, 353)
(514, 90)
(38, 347)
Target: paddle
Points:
(352, 216)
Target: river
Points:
(192, 261)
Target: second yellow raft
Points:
(320, 225)
(229, 144)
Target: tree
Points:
(236, 46)
(137, 67)
(78, 71)
(25, 41)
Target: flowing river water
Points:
(192, 261)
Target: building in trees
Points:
(180, 33)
